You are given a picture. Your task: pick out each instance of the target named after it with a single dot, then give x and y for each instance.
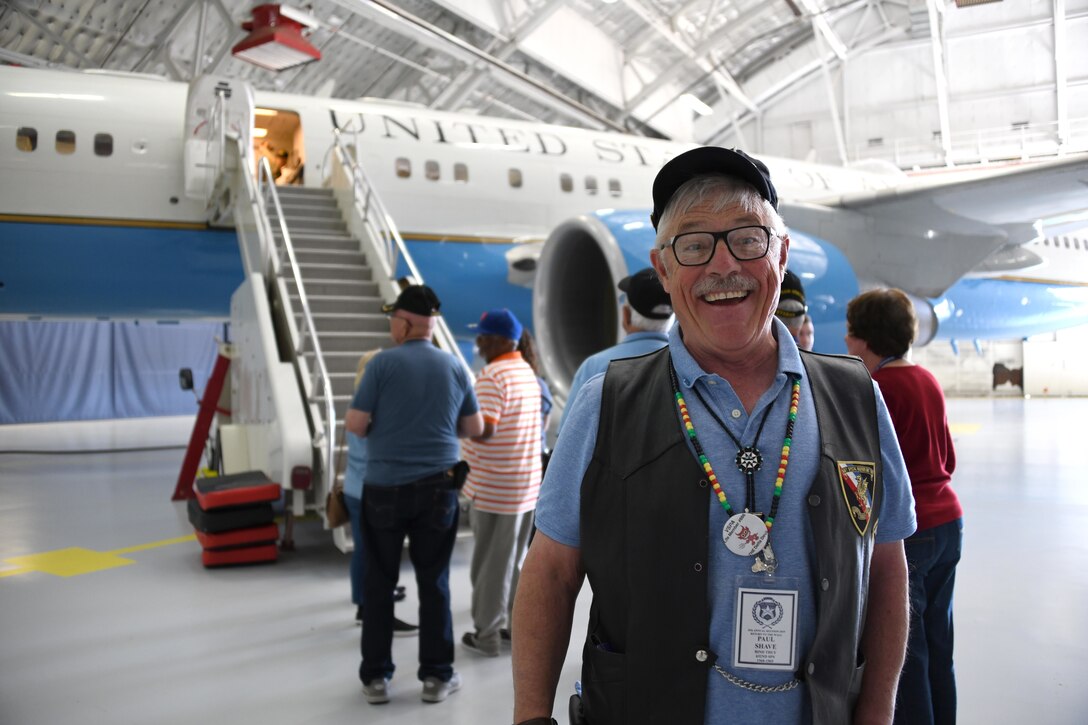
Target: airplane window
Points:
(591, 185)
(1076, 243)
(460, 173)
(404, 168)
(66, 142)
(566, 183)
(1067, 243)
(430, 170)
(26, 139)
(103, 144)
(614, 187)
(1046, 242)
(515, 178)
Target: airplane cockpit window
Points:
(26, 139)
(103, 144)
(591, 185)
(614, 187)
(566, 183)
(515, 178)
(431, 171)
(404, 168)
(460, 172)
(66, 142)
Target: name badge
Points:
(765, 630)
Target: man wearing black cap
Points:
(412, 405)
(791, 304)
(647, 317)
(722, 496)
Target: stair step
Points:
(322, 242)
(304, 192)
(340, 361)
(334, 287)
(320, 304)
(330, 256)
(341, 322)
(357, 342)
(318, 203)
(317, 271)
(309, 222)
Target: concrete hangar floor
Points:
(139, 632)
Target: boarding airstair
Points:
(344, 301)
(318, 263)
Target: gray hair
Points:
(647, 324)
(718, 192)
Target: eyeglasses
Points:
(694, 249)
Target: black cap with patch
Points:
(710, 160)
(417, 298)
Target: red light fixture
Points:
(275, 38)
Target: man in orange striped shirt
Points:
(504, 478)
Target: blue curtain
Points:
(56, 371)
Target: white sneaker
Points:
(435, 690)
(376, 692)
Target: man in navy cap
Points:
(722, 496)
(647, 317)
(412, 405)
(504, 477)
(791, 304)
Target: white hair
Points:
(648, 324)
(717, 192)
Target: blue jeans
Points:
(357, 568)
(927, 685)
(426, 512)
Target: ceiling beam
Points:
(940, 73)
(417, 29)
(655, 22)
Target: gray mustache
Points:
(732, 283)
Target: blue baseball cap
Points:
(501, 323)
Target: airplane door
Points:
(277, 136)
(218, 110)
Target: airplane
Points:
(102, 216)
(95, 221)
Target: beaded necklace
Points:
(784, 458)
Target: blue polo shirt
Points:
(557, 514)
(415, 394)
(635, 344)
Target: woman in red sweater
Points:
(881, 326)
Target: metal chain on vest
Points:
(746, 685)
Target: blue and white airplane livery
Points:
(95, 222)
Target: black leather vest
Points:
(644, 547)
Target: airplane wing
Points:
(924, 237)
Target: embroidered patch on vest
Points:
(857, 479)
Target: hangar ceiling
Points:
(643, 66)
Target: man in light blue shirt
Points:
(647, 317)
(669, 475)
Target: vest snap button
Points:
(698, 566)
(814, 500)
(825, 584)
(811, 667)
(702, 483)
(701, 655)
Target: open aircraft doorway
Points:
(277, 136)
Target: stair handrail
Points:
(375, 216)
(319, 381)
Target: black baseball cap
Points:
(710, 160)
(791, 298)
(646, 295)
(417, 298)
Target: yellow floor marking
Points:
(155, 544)
(964, 428)
(76, 560)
